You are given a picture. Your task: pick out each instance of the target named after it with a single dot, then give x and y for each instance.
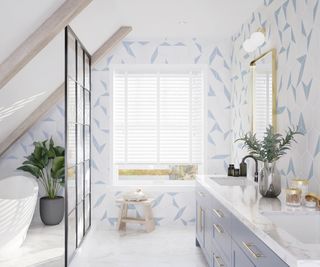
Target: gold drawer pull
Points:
(219, 213)
(201, 194)
(249, 246)
(218, 228)
(218, 261)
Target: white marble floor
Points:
(43, 247)
(164, 247)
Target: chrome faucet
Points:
(243, 167)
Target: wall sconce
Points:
(256, 39)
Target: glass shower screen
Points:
(78, 145)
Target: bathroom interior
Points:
(159, 133)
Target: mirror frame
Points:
(273, 53)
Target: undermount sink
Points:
(303, 227)
(231, 181)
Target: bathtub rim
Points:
(35, 189)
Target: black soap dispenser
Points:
(231, 170)
(243, 169)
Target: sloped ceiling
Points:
(19, 19)
(28, 89)
(214, 19)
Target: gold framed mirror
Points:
(264, 92)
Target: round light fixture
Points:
(258, 38)
(249, 46)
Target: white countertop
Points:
(246, 203)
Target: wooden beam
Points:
(32, 119)
(40, 38)
(115, 39)
(58, 94)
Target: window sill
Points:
(178, 186)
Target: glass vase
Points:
(270, 180)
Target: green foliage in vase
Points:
(273, 145)
(46, 163)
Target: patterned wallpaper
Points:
(170, 207)
(292, 28)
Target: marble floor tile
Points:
(164, 247)
(43, 247)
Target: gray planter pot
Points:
(51, 210)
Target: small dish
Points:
(311, 200)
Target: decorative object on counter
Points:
(268, 150)
(293, 197)
(46, 163)
(137, 195)
(243, 169)
(302, 184)
(311, 200)
(236, 172)
(231, 170)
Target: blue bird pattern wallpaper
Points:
(178, 206)
(292, 27)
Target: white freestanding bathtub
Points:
(18, 198)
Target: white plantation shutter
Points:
(158, 117)
(263, 102)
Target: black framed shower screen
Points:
(78, 143)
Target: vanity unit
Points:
(227, 234)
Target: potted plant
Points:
(268, 150)
(46, 163)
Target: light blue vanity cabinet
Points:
(224, 240)
(252, 247)
(203, 221)
(201, 200)
(221, 232)
(239, 258)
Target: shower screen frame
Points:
(77, 143)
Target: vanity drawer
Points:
(260, 254)
(203, 196)
(218, 258)
(222, 239)
(220, 215)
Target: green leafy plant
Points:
(46, 163)
(273, 145)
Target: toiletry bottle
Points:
(243, 169)
(231, 170)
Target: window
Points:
(157, 122)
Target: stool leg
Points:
(148, 218)
(122, 214)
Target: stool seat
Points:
(123, 218)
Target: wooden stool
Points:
(123, 218)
